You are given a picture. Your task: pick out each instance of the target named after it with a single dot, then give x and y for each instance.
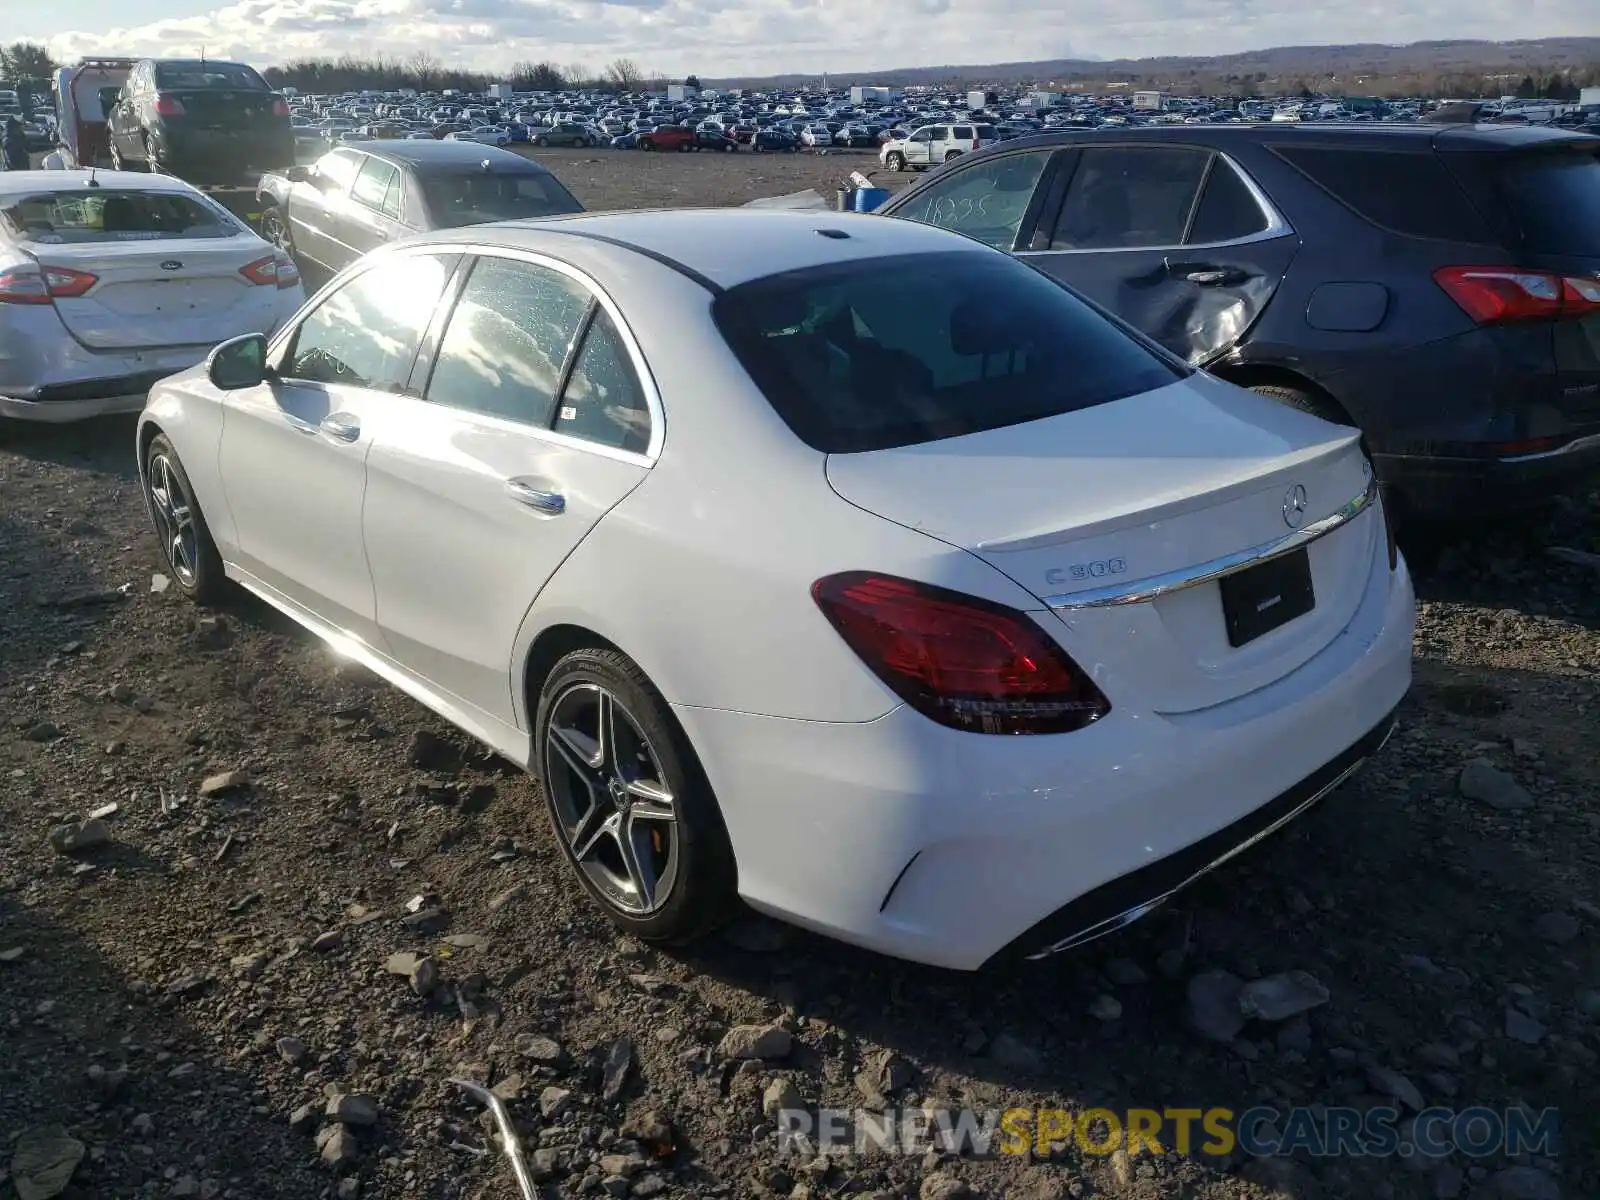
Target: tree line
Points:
(424, 72)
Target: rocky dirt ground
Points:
(256, 909)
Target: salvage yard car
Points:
(110, 281)
(844, 565)
(364, 194)
(1436, 285)
(207, 121)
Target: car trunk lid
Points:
(166, 292)
(223, 110)
(1090, 509)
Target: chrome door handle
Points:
(301, 425)
(341, 427)
(552, 504)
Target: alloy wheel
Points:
(611, 802)
(174, 515)
(275, 231)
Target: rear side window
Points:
(1228, 211)
(374, 183)
(1411, 193)
(1125, 197)
(1555, 200)
(885, 352)
(603, 402)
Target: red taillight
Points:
(29, 285)
(280, 108)
(961, 661)
(263, 272)
(288, 273)
(1496, 295)
(168, 106)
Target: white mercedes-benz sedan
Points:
(843, 565)
(110, 281)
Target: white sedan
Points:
(110, 281)
(843, 565)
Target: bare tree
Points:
(624, 75)
(424, 69)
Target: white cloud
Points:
(730, 37)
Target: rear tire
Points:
(952, 154)
(1305, 401)
(688, 851)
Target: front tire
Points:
(186, 543)
(628, 802)
(896, 162)
(275, 229)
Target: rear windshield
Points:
(61, 219)
(1555, 199)
(885, 352)
(472, 199)
(227, 76)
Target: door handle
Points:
(300, 424)
(341, 427)
(1206, 274)
(541, 500)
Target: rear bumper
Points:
(1442, 487)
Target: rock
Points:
(1437, 1054)
(781, 1095)
(1522, 1183)
(79, 836)
(509, 1089)
(1106, 1008)
(1279, 997)
(424, 976)
(108, 1084)
(1124, 972)
(1012, 1052)
(651, 1130)
(142, 1125)
(615, 1185)
(337, 1145)
(185, 1187)
(249, 966)
(291, 1050)
(649, 1185)
(554, 1101)
(545, 1163)
(626, 1165)
(543, 1050)
(353, 1110)
(12, 954)
(1520, 1027)
(227, 781)
(614, 1074)
(1589, 1004)
(1557, 928)
(331, 940)
(939, 1186)
(43, 1161)
(429, 751)
(1481, 780)
(1213, 1005)
(402, 962)
(44, 731)
(755, 1041)
(349, 1188)
(304, 1118)
(1390, 1083)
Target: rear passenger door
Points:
(534, 415)
(1173, 239)
(373, 215)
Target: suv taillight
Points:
(1497, 295)
(30, 285)
(280, 108)
(959, 660)
(168, 106)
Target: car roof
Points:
(725, 247)
(14, 183)
(1456, 137)
(437, 154)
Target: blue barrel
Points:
(869, 199)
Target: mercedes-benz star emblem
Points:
(172, 264)
(1294, 506)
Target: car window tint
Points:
(1408, 192)
(986, 201)
(372, 184)
(1555, 200)
(1227, 209)
(366, 333)
(391, 197)
(896, 351)
(340, 167)
(603, 401)
(505, 346)
(1127, 196)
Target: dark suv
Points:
(1436, 285)
(207, 122)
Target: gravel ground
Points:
(304, 891)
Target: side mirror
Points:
(240, 362)
(298, 174)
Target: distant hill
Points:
(1339, 68)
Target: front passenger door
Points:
(917, 153)
(294, 449)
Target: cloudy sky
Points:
(723, 37)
